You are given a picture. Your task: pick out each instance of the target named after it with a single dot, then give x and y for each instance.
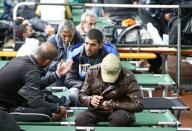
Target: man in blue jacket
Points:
(66, 39)
(90, 53)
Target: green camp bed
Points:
(3, 62)
(133, 67)
(174, 104)
(73, 128)
(150, 81)
(145, 118)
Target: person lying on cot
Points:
(111, 93)
(21, 86)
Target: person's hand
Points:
(62, 111)
(63, 67)
(56, 117)
(59, 115)
(107, 105)
(95, 101)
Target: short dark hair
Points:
(95, 34)
(20, 29)
(46, 51)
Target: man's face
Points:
(66, 37)
(89, 23)
(29, 31)
(92, 47)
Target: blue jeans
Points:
(73, 96)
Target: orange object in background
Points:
(128, 22)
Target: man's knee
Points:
(84, 119)
(121, 118)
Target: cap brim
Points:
(109, 78)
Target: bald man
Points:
(21, 84)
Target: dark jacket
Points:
(118, 14)
(76, 77)
(21, 84)
(125, 91)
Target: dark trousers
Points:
(116, 118)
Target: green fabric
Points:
(128, 65)
(154, 79)
(3, 62)
(47, 128)
(63, 93)
(133, 129)
(145, 118)
(72, 128)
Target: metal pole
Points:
(178, 73)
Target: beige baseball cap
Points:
(110, 68)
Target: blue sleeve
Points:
(111, 49)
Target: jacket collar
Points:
(34, 60)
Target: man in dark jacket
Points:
(90, 53)
(111, 94)
(21, 83)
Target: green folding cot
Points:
(3, 62)
(150, 81)
(73, 128)
(146, 81)
(145, 118)
(133, 67)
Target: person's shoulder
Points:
(77, 50)
(110, 48)
(51, 39)
(128, 74)
(108, 45)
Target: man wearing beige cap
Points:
(111, 94)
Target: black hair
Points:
(95, 34)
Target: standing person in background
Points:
(90, 53)
(22, 84)
(117, 14)
(160, 19)
(8, 6)
(65, 40)
(111, 93)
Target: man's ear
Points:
(100, 45)
(46, 62)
